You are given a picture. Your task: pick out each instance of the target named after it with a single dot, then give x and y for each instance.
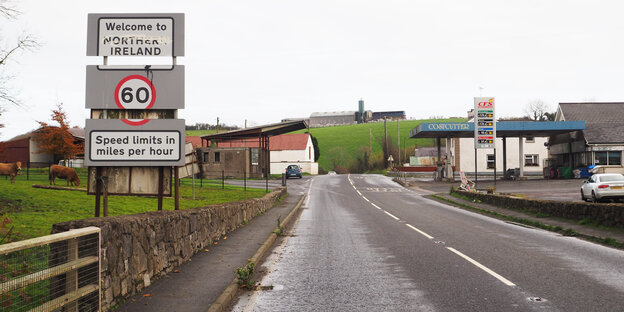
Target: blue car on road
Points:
(293, 171)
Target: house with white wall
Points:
(532, 159)
(292, 149)
(285, 149)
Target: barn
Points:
(325, 119)
(25, 149)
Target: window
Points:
(255, 154)
(531, 160)
(490, 161)
(529, 140)
(217, 157)
(608, 158)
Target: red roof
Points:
(196, 140)
(283, 142)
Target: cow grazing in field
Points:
(11, 170)
(66, 173)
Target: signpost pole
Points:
(161, 173)
(98, 190)
(104, 182)
(476, 176)
(177, 187)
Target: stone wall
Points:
(601, 214)
(137, 249)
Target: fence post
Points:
(222, 179)
(71, 281)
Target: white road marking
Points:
(482, 267)
(307, 200)
(358, 192)
(376, 206)
(366, 199)
(419, 231)
(395, 218)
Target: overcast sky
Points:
(263, 61)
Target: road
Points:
(364, 243)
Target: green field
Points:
(343, 142)
(201, 132)
(33, 211)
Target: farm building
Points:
(286, 149)
(391, 115)
(25, 149)
(324, 119)
(248, 152)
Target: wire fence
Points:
(220, 179)
(58, 272)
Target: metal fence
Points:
(59, 272)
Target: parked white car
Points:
(602, 186)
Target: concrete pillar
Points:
(450, 159)
(521, 156)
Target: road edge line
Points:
(230, 291)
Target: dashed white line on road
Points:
(419, 231)
(376, 206)
(395, 218)
(482, 267)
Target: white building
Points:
(531, 160)
(292, 149)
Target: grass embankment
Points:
(201, 132)
(344, 141)
(33, 211)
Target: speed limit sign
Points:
(122, 88)
(135, 92)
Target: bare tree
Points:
(537, 110)
(8, 51)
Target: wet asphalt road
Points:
(364, 243)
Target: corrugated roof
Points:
(604, 121)
(283, 142)
(332, 114)
(259, 131)
(195, 140)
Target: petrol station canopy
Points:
(503, 129)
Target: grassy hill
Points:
(341, 143)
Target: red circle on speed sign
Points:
(135, 92)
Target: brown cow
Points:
(63, 172)
(10, 169)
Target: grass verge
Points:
(32, 212)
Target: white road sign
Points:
(134, 145)
(142, 34)
(112, 142)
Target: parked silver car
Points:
(603, 186)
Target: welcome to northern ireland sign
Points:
(130, 34)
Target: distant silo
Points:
(360, 116)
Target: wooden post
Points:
(161, 173)
(98, 190)
(71, 281)
(105, 188)
(177, 187)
